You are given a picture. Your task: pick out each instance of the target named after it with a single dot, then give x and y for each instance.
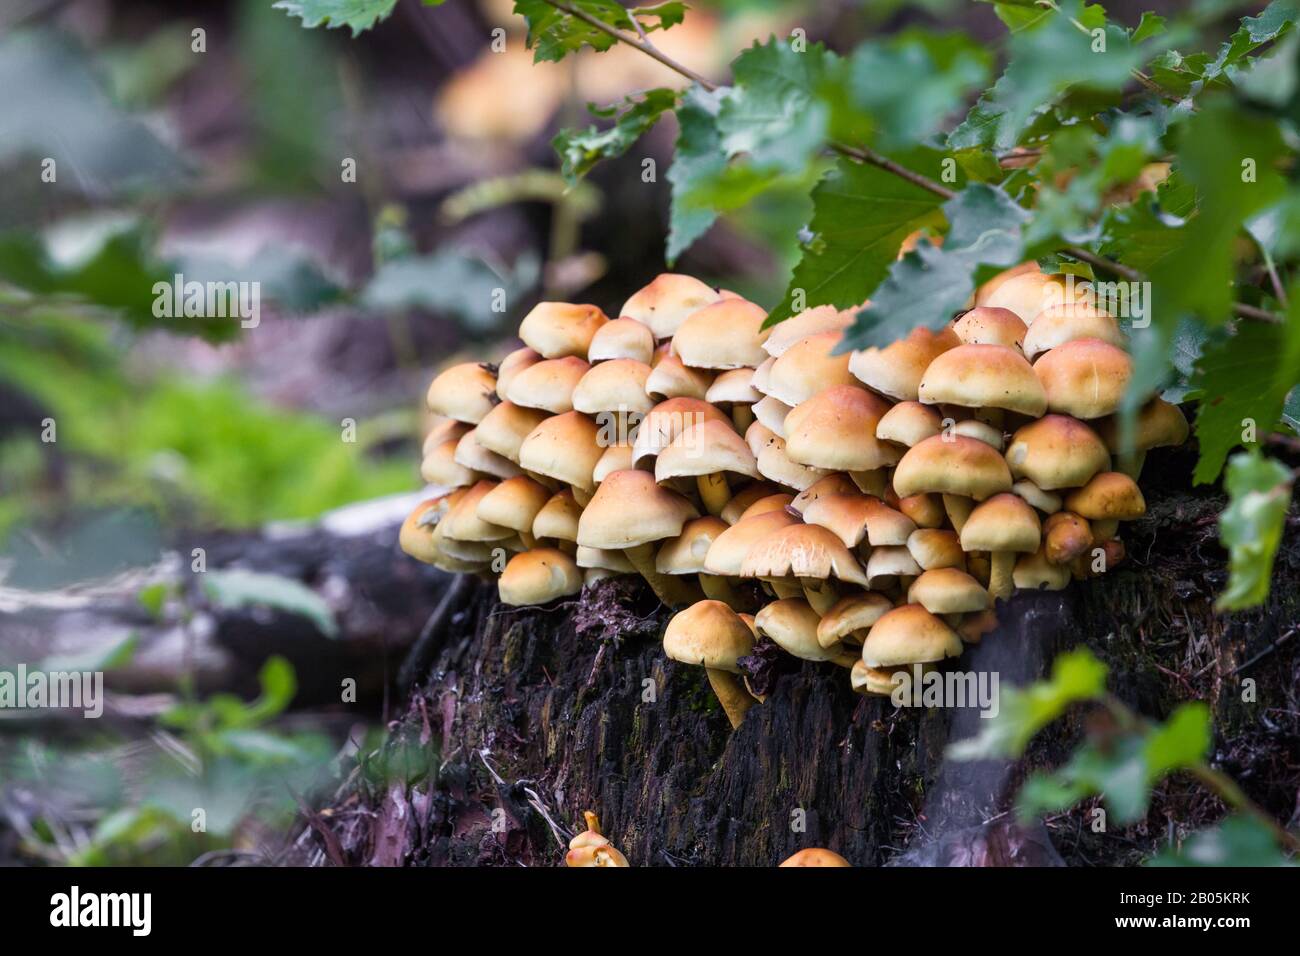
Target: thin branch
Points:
(645, 47)
(867, 155)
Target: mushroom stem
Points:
(593, 822)
(783, 589)
(731, 694)
(870, 482)
(959, 508)
(713, 492)
(716, 587)
(846, 658)
(742, 416)
(1000, 582)
(581, 496)
(671, 590)
(529, 540)
(820, 595)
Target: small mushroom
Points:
(558, 329)
(712, 635)
(816, 856)
(538, 577)
(909, 634)
(792, 624)
(1003, 526)
(592, 848)
(667, 302)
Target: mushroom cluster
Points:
(865, 508)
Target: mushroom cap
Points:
(888, 562)
(816, 856)
(821, 318)
(992, 285)
(1066, 536)
(727, 553)
(856, 612)
(985, 325)
(463, 523)
(909, 423)
(836, 429)
(758, 436)
(548, 384)
(1045, 501)
(601, 559)
(557, 329)
(1027, 294)
(733, 388)
(708, 634)
(443, 430)
(629, 509)
(808, 367)
(871, 680)
(1034, 572)
(779, 501)
(564, 447)
(924, 510)
(948, 591)
(618, 385)
(471, 454)
(685, 553)
(604, 854)
(792, 624)
(1085, 378)
(538, 576)
(933, 548)
(622, 338)
(709, 448)
(909, 634)
(762, 372)
(983, 376)
(671, 379)
(1159, 424)
(1004, 522)
(1056, 451)
(512, 365)
(614, 458)
(852, 516)
(558, 518)
(504, 429)
(416, 535)
(666, 421)
(1059, 324)
(832, 484)
(772, 413)
(514, 503)
(952, 465)
(896, 370)
(1110, 494)
(775, 464)
(463, 392)
(752, 494)
(802, 551)
(667, 301)
(727, 334)
(439, 467)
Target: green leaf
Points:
(359, 15)
(1117, 771)
(1259, 495)
(580, 150)
(114, 654)
(236, 589)
(1047, 58)
(861, 215)
(554, 33)
(697, 159)
(929, 284)
(1151, 25)
(772, 113)
(1241, 386)
(1180, 742)
(897, 92)
(1076, 676)
(1237, 841)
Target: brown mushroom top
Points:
(667, 302)
(504, 429)
(708, 634)
(727, 553)
(948, 591)
(822, 318)
(908, 423)
(548, 384)
(1109, 495)
(953, 465)
(1056, 451)
(708, 448)
(727, 334)
(538, 576)
(463, 392)
(565, 447)
(1004, 522)
(622, 338)
(852, 517)
(803, 551)
(1158, 424)
(1085, 378)
(618, 385)
(909, 634)
(629, 509)
(896, 370)
(983, 376)
(816, 856)
(1059, 324)
(808, 367)
(985, 325)
(556, 329)
(836, 428)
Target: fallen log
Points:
(526, 717)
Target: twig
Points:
(867, 155)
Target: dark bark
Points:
(530, 716)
